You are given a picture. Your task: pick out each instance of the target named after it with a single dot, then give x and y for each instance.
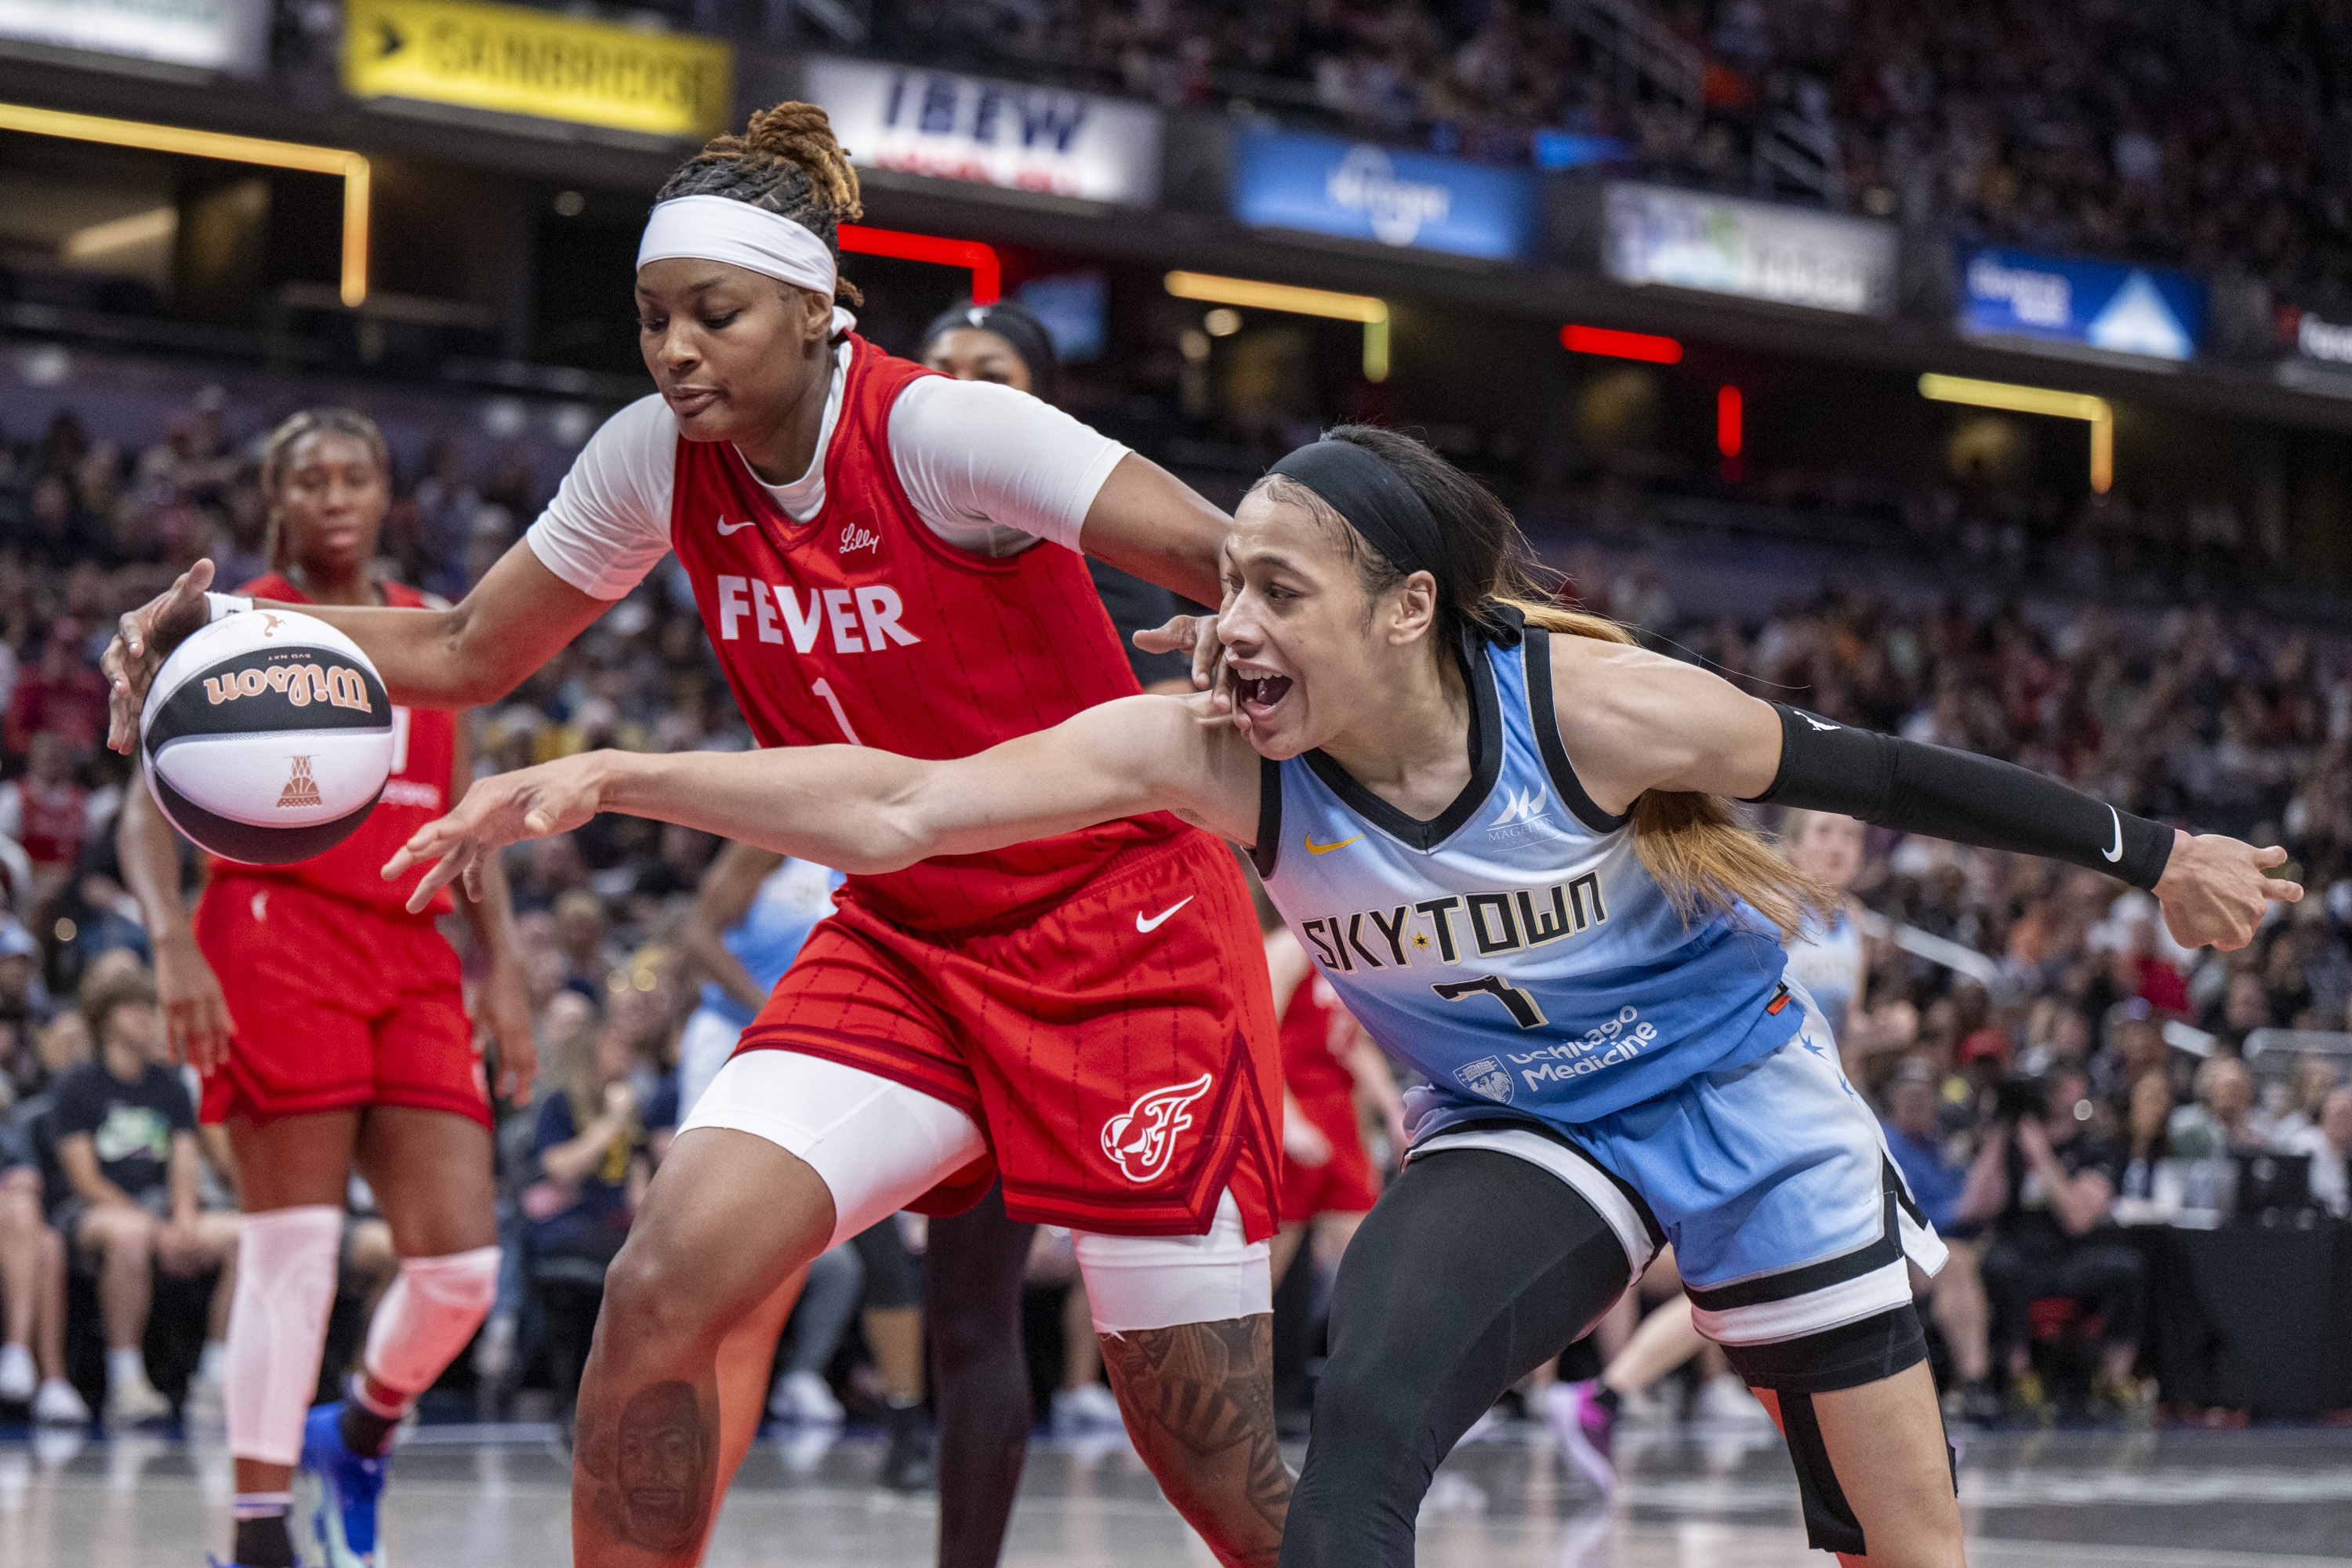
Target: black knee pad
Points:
(1796, 1370)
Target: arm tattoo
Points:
(652, 1472)
(1199, 1401)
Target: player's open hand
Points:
(196, 1014)
(2214, 891)
(529, 802)
(143, 638)
(1196, 638)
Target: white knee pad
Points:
(425, 1319)
(286, 1262)
(877, 1144)
(1137, 1282)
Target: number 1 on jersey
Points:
(1524, 1011)
(824, 688)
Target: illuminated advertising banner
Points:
(1355, 190)
(230, 36)
(2314, 337)
(988, 132)
(2126, 310)
(1755, 250)
(538, 63)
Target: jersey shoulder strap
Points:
(1543, 722)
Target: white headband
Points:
(720, 228)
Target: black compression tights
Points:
(972, 1290)
(1474, 1268)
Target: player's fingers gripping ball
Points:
(267, 737)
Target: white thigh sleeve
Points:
(1137, 1282)
(878, 1145)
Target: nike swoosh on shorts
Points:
(1156, 921)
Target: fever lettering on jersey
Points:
(860, 624)
(1515, 950)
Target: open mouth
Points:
(1261, 695)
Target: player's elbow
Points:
(892, 838)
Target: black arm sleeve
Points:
(1959, 795)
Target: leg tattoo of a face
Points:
(661, 1468)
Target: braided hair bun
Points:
(786, 162)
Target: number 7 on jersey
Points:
(1523, 1008)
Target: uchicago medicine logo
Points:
(1140, 1139)
(1365, 181)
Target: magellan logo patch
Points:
(301, 684)
(1140, 1139)
(300, 788)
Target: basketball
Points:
(267, 737)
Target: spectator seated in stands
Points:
(126, 1144)
(32, 1291)
(2224, 1121)
(1916, 1137)
(2048, 1182)
(2329, 1144)
(595, 1148)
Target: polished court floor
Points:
(1721, 1498)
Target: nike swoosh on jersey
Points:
(2118, 852)
(1315, 848)
(725, 528)
(1156, 921)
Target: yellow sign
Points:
(538, 63)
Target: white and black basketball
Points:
(267, 737)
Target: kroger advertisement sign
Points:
(2099, 304)
(990, 133)
(1688, 239)
(1359, 191)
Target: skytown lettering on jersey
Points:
(774, 609)
(1484, 924)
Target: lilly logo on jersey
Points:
(1494, 922)
(774, 608)
(1140, 1139)
(854, 538)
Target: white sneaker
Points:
(207, 1402)
(134, 1403)
(18, 1376)
(1089, 1408)
(803, 1399)
(494, 1352)
(1724, 1401)
(60, 1405)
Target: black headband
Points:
(1372, 497)
(1016, 325)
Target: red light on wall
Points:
(1647, 347)
(987, 281)
(1726, 422)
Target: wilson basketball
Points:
(267, 737)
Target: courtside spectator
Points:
(1925, 1155)
(2224, 1121)
(126, 1146)
(32, 1291)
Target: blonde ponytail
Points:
(1692, 843)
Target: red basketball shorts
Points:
(1118, 1051)
(336, 1005)
(1344, 1184)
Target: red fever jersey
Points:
(1317, 1033)
(340, 996)
(1124, 1071)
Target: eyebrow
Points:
(698, 286)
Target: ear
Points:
(815, 327)
(1412, 613)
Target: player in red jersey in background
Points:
(330, 1027)
(886, 556)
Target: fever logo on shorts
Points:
(1486, 1077)
(1140, 1139)
(300, 789)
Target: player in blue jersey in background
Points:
(1511, 853)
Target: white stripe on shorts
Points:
(1589, 1181)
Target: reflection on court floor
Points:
(1690, 1500)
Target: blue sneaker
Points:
(339, 1487)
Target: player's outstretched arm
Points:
(1633, 720)
(864, 811)
(515, 620)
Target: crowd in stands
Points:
(2103, 129)
(2197, 714)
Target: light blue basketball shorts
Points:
(1788, 1217)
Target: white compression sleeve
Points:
(286, 1262)
(990, 470)
(427, 1316)
(1140, 1282)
